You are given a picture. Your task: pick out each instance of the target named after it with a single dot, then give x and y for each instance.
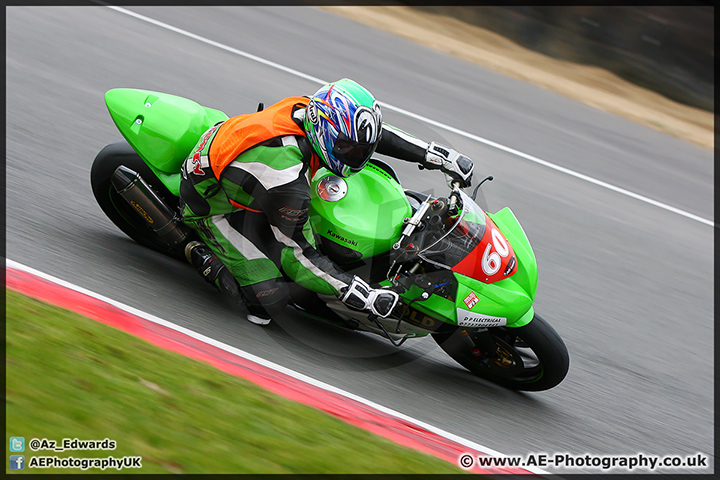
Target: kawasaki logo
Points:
(342, 239)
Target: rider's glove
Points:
(361, 296)
(456, 165)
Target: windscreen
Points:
(471, 245)
(460, 235)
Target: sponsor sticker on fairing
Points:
(472, 319)
(471, 300)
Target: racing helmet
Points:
(343, 123)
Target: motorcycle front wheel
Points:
(530, 358)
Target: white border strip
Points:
(429, 121)
(261, 361)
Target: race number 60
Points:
(491, 260)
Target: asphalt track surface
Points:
(627, 284)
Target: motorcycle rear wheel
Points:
(529, 358)
(117, 209)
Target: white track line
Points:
(429, 121)
(266, 363)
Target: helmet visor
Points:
(353, 154)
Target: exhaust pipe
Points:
(157, 214)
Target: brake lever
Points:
(489, 178)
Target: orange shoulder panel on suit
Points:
(243, 132)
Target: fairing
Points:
(472, 246)
(161, 128)
(493, 264)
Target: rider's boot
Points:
(211, 268)
(265, 299)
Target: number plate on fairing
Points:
(492, 260)
(472, 319)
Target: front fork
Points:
(481, 344)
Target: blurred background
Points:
(629, 286)
(667, 49)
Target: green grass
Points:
(71, 377)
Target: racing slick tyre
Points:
(530, 358)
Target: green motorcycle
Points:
(466, 277)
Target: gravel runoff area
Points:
(591, 85)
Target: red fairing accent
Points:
(489, 261)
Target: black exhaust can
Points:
(157, 214)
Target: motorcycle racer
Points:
(245, 190)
